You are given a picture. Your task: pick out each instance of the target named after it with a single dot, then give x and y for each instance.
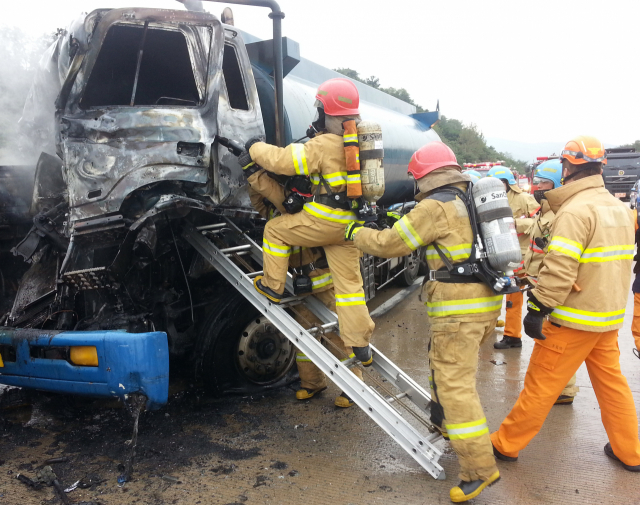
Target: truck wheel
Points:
(412, 264)
(242, 352)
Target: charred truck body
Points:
(126, 112)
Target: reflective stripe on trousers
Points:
(321, 281)
(328, 213)
(468, 306)
(463, 431)
(350, 299)
(275, 250)
(588, 318)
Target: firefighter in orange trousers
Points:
(322, 220)
(462, 312)
(591, 246)
(524, 207)
(267, 197)
(547, 176)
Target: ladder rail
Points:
(371, 402)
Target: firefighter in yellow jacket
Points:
(524, 207)
(591, 246)
(322, 221)
(547, 176)
(462, 314)
(267, 197)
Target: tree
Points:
(635, 145)
(374, 82)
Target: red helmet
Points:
(339, 97)
(431, 157)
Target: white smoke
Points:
(19, 57)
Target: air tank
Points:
(371, 155)
(497, 226)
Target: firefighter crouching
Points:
(591, 246)
(461, 315)
(523, 206)
(267, 197)
(547, 176)
(322, 220)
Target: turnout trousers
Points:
(453, 358)
(310, 375)
(513, 328)
(552, 364)
(305, 230)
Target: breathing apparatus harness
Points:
(477, 268)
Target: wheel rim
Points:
(264, 355)
(413, 263)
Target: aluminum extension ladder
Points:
(377, 406)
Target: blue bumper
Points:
(127, 363)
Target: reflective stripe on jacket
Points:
(446, 224)
(591, 245)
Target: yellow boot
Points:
(305, 394)
(343, 401)
(468, 490)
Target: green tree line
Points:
(466, 141)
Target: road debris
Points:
(497, 362)
(26, 480)
(72, 487)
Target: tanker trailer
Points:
(127, 110)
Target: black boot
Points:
(265, 291)
(507, 342)
(609, 452)
(502, 457)
(364, 355)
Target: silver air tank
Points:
(497, 226)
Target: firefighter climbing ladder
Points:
(375, 405)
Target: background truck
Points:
(621, 171)
(100, 290)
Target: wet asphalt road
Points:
(273, 449)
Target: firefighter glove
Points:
(249, 166)
(536, 312)
(253, 140)
(351, 229)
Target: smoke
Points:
(19, 57)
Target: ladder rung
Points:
(324, 327)
(251, 275)
(236, 248)
(211, 226)
(392, 399)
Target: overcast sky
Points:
(536, 71)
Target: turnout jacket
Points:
(444, 221)
(322, 155)
(539, 227)
(524, 206)
(592, 243)
(261, 188)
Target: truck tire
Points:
(240, 351)
(411, 263)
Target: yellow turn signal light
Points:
(84, 355)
